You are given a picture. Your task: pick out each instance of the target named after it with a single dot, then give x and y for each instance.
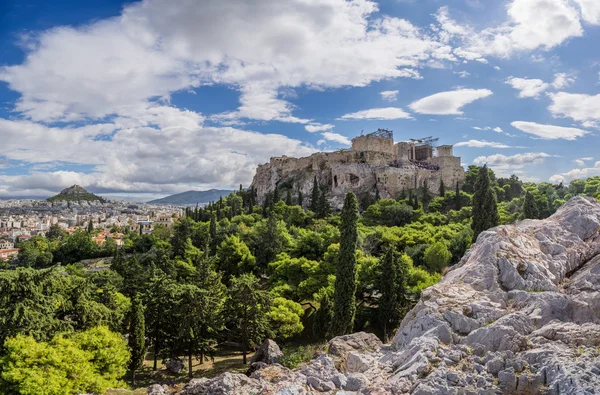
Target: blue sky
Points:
(154, 97)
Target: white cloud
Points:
(498, 130)
(527, 87)
(462, 74)
(386, 113)
(317, 127)
(515, 160)
(448, 103)
(580, 107)
(530, 24)
(146, 53)
(575, 174)
(562, 80)
(590, 11)
(389, 95)
(482, 144)
(579, 162)
(338, 138)
(549, 132)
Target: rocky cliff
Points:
(519, 314)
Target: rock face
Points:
(519, 314)
(268, 352)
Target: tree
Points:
(323, 208)
(314, 201)
(323, 317)
(345, 282)
(288, 198)
(234, 257)
(485, 208)
(89, 361)
(442, 188)
(212, 232)
(90, 228)
(54, 232)
(457, 202)
(285, 316)
(270, 241)
(248, 306)
(137, 337)
(530, 209)
(437, 257)
(392, 284)
(300, 197)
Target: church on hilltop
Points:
(375, 163)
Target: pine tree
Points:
(276, 197)
(314, 201)
(288, 198)
(457, 202)
(345, 282)
(485, 208)
(442, 188)
(90, 228)
(137, 337)
(530, 209)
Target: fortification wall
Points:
(373, 143)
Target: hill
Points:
(75, 193)
(193, 197)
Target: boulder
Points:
(157, 389)
(175, 365)
(268, 352)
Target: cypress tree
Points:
(288, 198)
(276, 196)
(212, 232)
(323, 317)
(387, 302)
(345, 282)
(485, 208)
(377, 196)
(530, 209)
(300, 197)
(137, 337)
(457, 202)
(90, 228)
(314, 201)
(323, 207)
(442, 188)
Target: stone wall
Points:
(373, 143)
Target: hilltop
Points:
(193, 197)
(76, 193)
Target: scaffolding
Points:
(384, 133)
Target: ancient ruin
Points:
(374, 163)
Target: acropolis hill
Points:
(373, 163)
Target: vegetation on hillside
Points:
(238, 272)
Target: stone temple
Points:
(373, 163)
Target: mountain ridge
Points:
(193, 197)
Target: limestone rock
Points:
(268, 352)
(175, 365)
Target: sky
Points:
(155, 97)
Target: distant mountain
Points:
(193, 197)
(75, 193)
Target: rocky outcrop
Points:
(519, 314)
(268, 352)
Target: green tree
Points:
(55, 232)
(323, 316)
(323, 208)
(392, 284)
(345, 281)
(248, 306)
(90, 228)
(234, 257)
(300, 197)
(457, 202)
(288, 198)
(137, 337)
(285, 316)
(485, 208)
(212, 232)
(530, 209)
(314, 201)
(437, 257)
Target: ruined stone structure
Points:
(373, 163)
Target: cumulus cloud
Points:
(527, 87)
(386, 113)
(146, 53)
(317, 127)
(448, 103)
(549, 132)
(590, 11)
(389, 95)
(338, 138)
(575, 174)
(518, 160)
(483, 144)
(580, 107)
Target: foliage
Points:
(345, 281)
(285, 318)
(485, 211)
(137, 337)
(437, 257)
